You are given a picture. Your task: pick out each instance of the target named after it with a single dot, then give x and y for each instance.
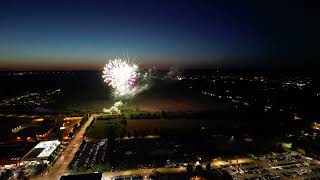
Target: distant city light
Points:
(75, 118)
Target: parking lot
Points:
(288, 165)
(90, 154)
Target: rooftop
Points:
(42, 150)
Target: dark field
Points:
(86, 92)
(149, 143)
(7, 124)
(231, 109)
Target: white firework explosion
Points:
(122, 75)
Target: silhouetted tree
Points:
(129, 134)
(123, 122)
(7, 174)
(199, 168)
(135, 133)
(189, 168)
(208, 166)
(155, 175)
(22, 175)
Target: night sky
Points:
(78, 34)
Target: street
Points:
(61, 165)
(143, 172)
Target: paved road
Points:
(221, 163)
(164, 170)
(61, 165)
(143, 172)
(23, 115)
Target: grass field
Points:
(102, 129)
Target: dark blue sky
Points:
(78, 34)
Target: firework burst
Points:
(122, 76)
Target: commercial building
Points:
(41, 151)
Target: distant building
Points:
(9, 163)
(11, 154)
